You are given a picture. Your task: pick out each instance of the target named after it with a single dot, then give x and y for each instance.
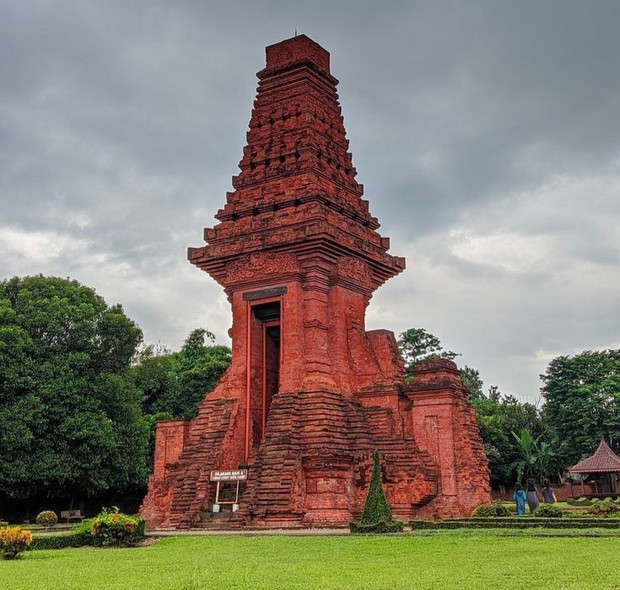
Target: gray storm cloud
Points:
(487, 136)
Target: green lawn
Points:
(445, 560)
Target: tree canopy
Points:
(416, 344)
(582, 402)
(174, 383)
(70, 420)
(499, 416)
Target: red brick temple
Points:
(288, 434)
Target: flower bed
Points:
(13, 540)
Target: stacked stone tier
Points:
(297, 182)
(328, 438)
(296, 126)
(202, 451)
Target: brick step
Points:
(217, 521)
(191, 484)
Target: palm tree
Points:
(535, 458)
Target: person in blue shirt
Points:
(519, 498)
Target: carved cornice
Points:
(260, 264)
(353, 273)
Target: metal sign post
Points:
(236, 475)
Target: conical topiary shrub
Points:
(377, 515)
(376, 508)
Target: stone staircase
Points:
(268, 497)
(404, 462)
(190, 476)
(225, 520)
(323, 436)
(330, 433)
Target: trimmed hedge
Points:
(516, 523)
(548, 511)
(377, 515)
(384, 526)
(490, 510)
(62, 541)
(376, 508)
(583, 501)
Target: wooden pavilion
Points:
(604, 467)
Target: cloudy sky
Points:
(486, 133)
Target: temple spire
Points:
(296, 171)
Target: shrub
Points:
(583, 501)
(606, 507)
(548, 511)
(376, 508)
(492, 510)
(376, 516)
(578, 513)
(512, 508)
(47, 519)
(13, 541)
(84, 527)
(111, 528)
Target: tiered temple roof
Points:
(296, 190)
(604, 460)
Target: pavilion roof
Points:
(604, 460)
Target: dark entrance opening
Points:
(264, 358)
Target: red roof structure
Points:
(604, 460)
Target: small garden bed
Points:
(109, 529)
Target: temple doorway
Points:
(264, 359)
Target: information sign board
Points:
(230, 475)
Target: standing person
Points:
(532, 495)
(519, 498)
(548, 493)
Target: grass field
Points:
(445, 560)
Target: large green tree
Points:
(582, 402)
(174, 383)
(536, 457)
(70, 420)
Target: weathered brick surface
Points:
(299, 257)
(445, 427)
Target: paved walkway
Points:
(250, 532)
